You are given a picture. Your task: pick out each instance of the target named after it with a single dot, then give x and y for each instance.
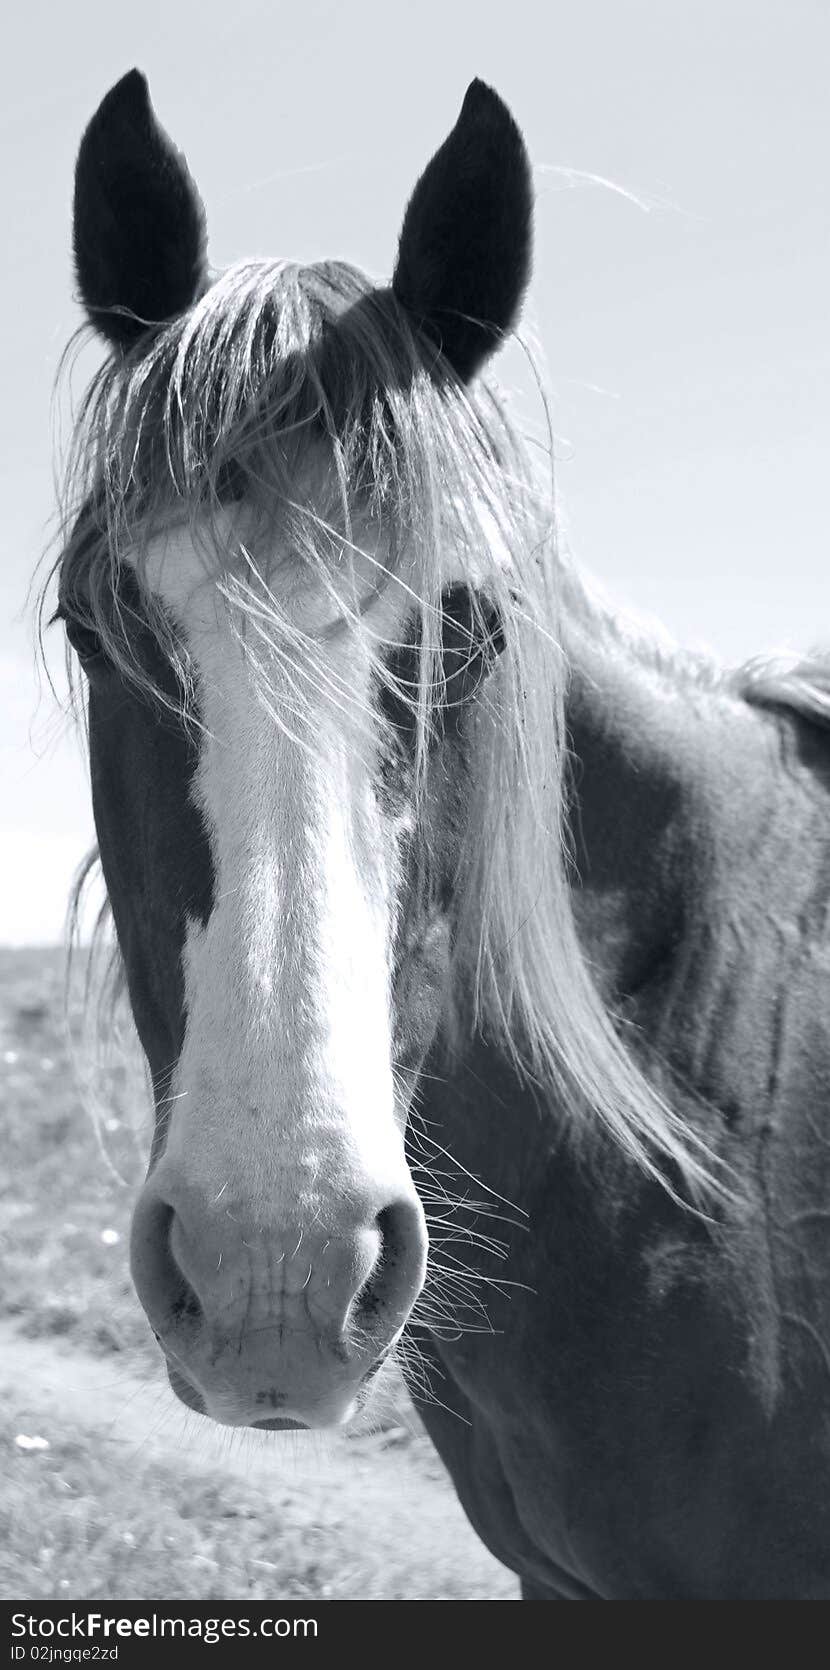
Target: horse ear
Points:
(465, 247)
(139, 225)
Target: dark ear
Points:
(139, 225)
(465, 246)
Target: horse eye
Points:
(85, 642)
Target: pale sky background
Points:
(686, 340)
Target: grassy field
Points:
(109, 1489)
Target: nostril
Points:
(388, 1294)
(161, 1284)
(185, 1303)
(390, 1231)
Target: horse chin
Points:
(192, 1398)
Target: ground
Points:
(110, 1489)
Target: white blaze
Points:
(284, 1092)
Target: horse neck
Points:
(663, 769)
(701, 836)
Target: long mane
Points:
(221, 410)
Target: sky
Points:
(679, 302)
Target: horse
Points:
(477, 943)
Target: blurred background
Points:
(680, 310)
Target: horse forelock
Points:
(281, 377)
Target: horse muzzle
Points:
(275, 1325)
